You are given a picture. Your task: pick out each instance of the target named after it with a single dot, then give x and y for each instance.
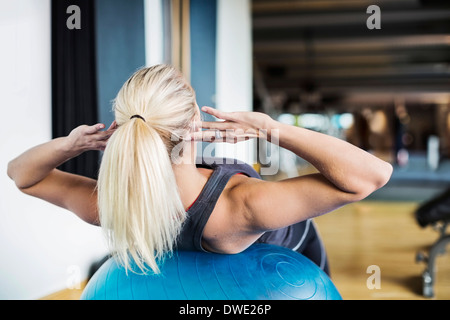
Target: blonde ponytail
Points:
(139, 204)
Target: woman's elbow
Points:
(10, 171)
(377, 181)
(385, 174)
(13, 173)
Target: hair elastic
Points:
(137, 116)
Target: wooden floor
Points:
(67, 294)
(383, 234)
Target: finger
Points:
(103, 135)
(215, 125)
(113, 126)
(204, 136)
(218, 114)
(99, 146)
(195, 136)
(102, 146)
(214, 112)
(95, 128)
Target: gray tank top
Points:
(199, 213)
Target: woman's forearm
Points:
(35, 164)
(348, 167)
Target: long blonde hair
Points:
(138, 200)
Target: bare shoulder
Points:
(249, 207)
(227, 230)
(270, 205)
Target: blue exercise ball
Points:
(262, 272)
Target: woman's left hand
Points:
(234, 127)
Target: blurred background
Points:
(385, 90)
(311, 63)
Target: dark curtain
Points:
(74, 92)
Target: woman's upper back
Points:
(208, 219)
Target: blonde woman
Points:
(151, 197)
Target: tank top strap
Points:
(200, 211)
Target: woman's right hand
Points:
(89, 138)
(34, 170)
(234, 127)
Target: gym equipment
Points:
(262, 272)
(436, 213)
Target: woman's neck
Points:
(190, 179)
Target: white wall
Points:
(42, 248)
(234, 69)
